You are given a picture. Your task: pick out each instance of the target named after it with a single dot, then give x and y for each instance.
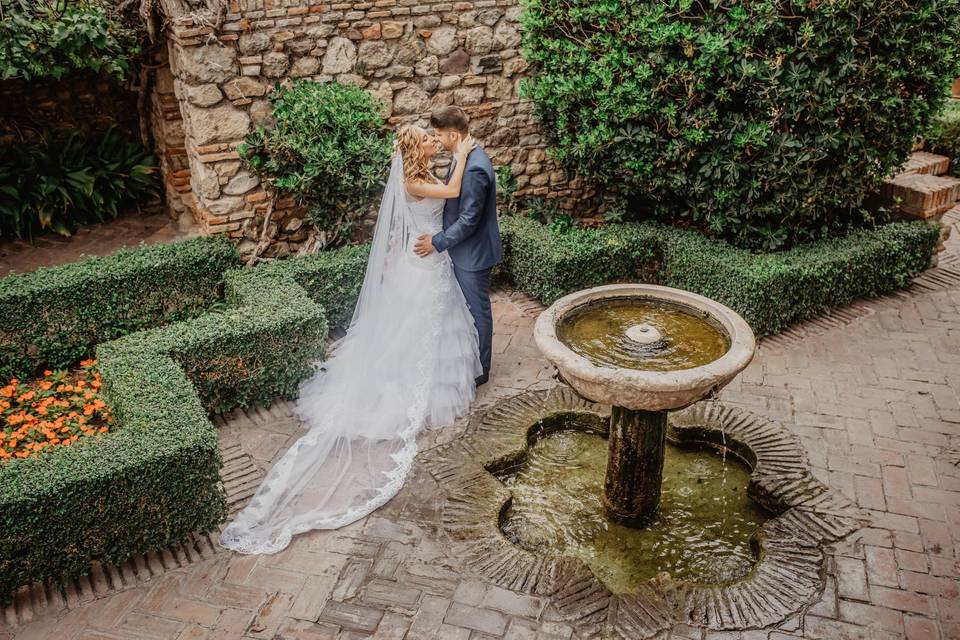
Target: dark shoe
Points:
(481, 380)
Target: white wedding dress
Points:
(408, 361)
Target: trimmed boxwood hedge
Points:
(52, 317)
(771, 291)
(154, 479)
(332, 278)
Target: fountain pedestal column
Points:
(634, 465)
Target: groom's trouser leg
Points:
(476, 289)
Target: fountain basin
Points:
(703, 531)
(787, 575)
(634, 388)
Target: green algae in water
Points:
(701, 533)
(598, 332)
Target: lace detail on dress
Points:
(365, 411)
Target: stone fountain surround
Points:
(787, 578)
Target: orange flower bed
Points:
(56, 410)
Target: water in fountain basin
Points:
(599, 332)
(701, 532)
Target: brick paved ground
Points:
(874, 400)
(94, 240)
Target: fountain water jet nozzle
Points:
(643, 333)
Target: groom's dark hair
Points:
(450, 118)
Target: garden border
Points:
(771, 291)
(53, 316)
(154, 480)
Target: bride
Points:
(408, 361)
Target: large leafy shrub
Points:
(766, 123)
(328, 148)
(770, 290)
(79, 179)
(944, 135)
(50, 38)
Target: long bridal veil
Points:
(363, 413)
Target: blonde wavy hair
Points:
(416, 166)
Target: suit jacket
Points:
(470, 231)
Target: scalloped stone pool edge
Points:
(788, 576)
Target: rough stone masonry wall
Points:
(416, 55)
(166, 122)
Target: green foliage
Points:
(52, 317)
(944, 136)
(548, 265)
(765, 123)
(68, 182)
(50, 38)
(151, 482)
(331, 278)
(509, 203)
(328, 148)
(154, 479)
(771, 291)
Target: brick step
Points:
(927, 163)
(921, 195)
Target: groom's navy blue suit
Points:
(472, 238)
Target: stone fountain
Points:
(555, 492)
(645, 350)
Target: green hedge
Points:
(154, 479)
(52, 317)
(332, 278)
(771, 291)
(549, 265)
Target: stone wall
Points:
(166, 123)
(416, 55)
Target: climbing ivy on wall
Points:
(50, 38)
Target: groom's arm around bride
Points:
(470, 233)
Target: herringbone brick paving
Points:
(874, 400)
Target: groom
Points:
(470, 231)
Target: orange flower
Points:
(56, 410)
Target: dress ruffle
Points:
(410, 366)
